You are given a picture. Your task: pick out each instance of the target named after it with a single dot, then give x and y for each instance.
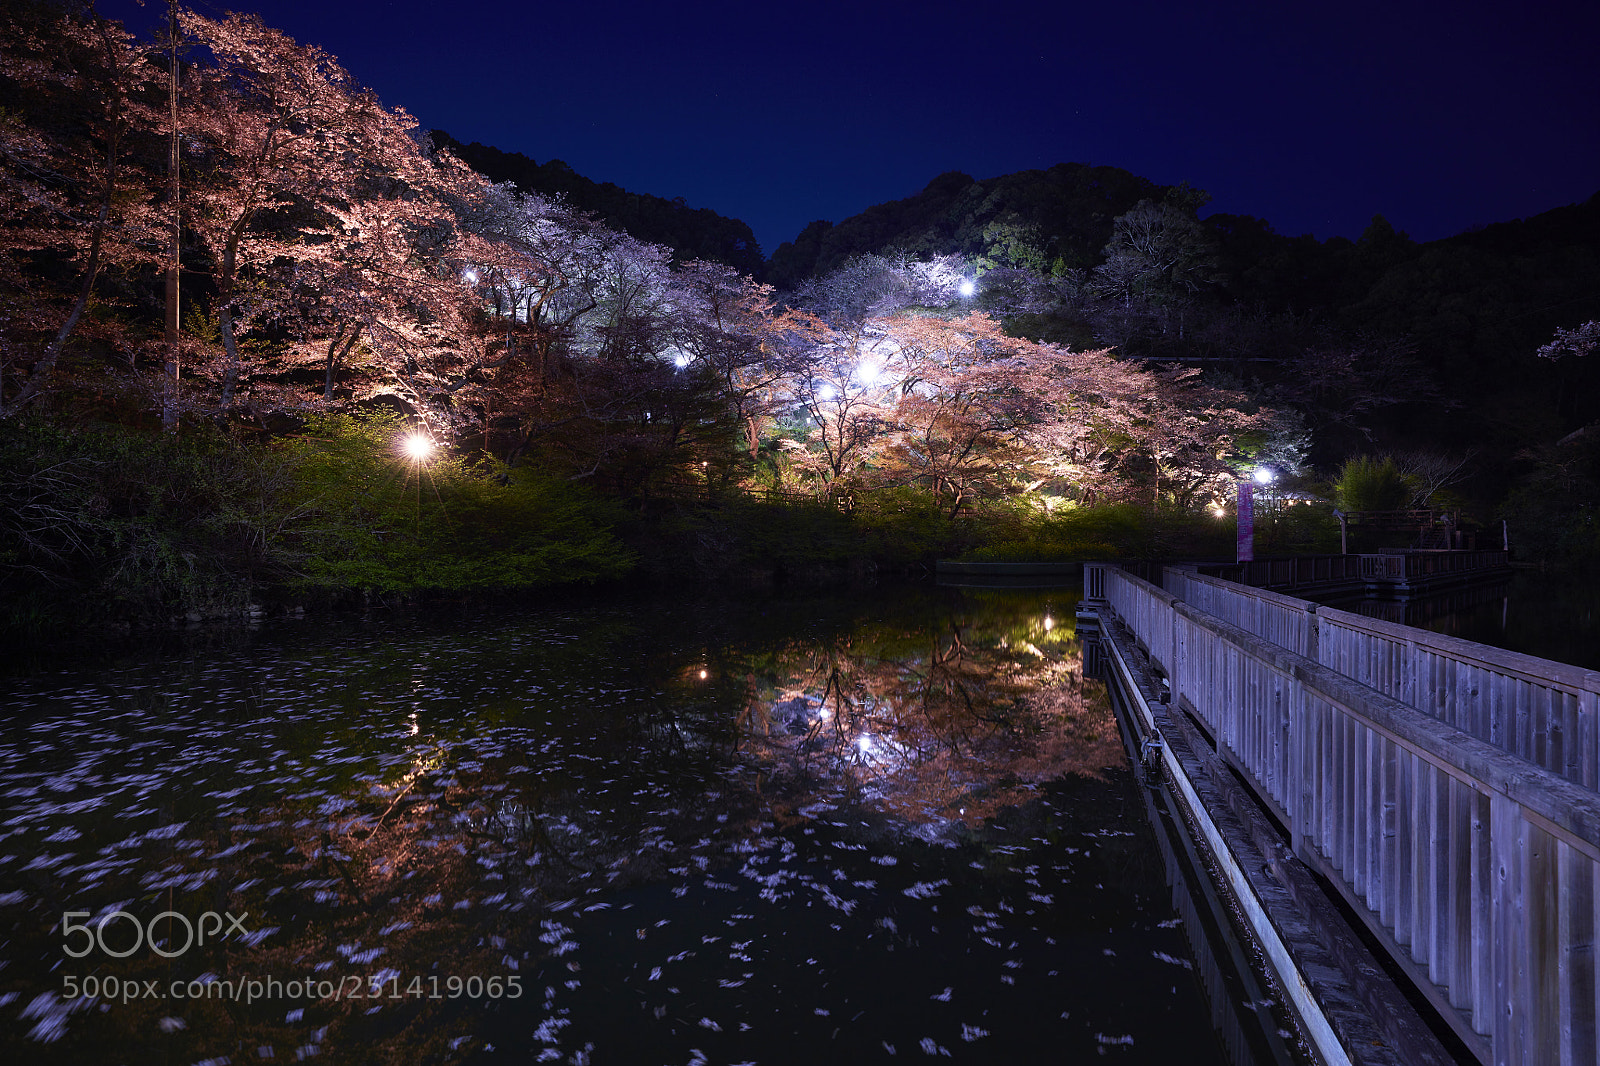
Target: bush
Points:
(121, 525)
(1366, 483)
(365, 518)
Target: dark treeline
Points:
(692, 233)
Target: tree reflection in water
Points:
(949, 725)
(457, 800)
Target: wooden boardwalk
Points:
(1445, 789)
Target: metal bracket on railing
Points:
(1150, 750)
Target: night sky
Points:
(1312, 116)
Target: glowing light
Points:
(1263, 475)
(681, 360)
(704, 675)
(824, 714)
(825, 392)
(867, 373)
(469, 276)
(967, 288)
(1049, 623)
(1219, 511)
(418, 446)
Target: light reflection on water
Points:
(741, 831)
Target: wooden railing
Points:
(1402, 566)
(1281, 619)
(1309, 570)
(1475, 868)
(1300, 570)
(1545, 712)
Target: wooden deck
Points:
(1447, 790)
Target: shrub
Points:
(368, 519)
(129, 524)
(1366, 483)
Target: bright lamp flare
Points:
(1263, 475)
(967, 288)
(418, 446)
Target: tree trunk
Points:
(230, 345)
(169, 409)
(337, 356)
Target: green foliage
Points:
(1114, 531)
(128, 525)
(1039, 551)
(1553, 514)
(740, 535)
(905, 523)
(367, 518)
(1368, 483)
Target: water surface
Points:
(638, 831)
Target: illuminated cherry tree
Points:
(79, 198)
(309, 188)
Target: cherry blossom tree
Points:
(728, 323)
(300, 165)
(76, 193)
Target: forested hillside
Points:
(1383, 343)
(691, 233)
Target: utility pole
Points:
(169, 412)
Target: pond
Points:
(864, 827)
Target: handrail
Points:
(1478, 870)
(1543, 711)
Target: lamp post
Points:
(418, 447)
(1245, 542)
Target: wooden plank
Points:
(1387, 796)
(1349, 806)
(1361, 808)
(1576, 979)
(1541, 931)
(1480, 943)
(1463, 916)
(1403, 882)
(1440, 877)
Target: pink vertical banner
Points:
(1247, 522)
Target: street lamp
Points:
(418, 447)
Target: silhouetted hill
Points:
(693, 233)
(1045, 219)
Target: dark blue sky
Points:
(1313, 116)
